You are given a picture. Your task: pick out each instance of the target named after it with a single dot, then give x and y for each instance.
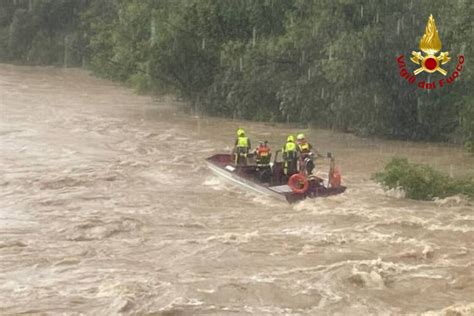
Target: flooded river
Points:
(107, 207)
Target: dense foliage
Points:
(326, 62)
(421, 182)
(37, 32)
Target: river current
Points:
(107, 207)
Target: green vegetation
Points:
(421, 182)
(328, 63)
(37, 32)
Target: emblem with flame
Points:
(430, 44)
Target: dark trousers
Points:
(290, 167)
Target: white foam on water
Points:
(214, 182)
(370, 279)
(234, 238)
(459, 309)
(453, 201)
(107, 207)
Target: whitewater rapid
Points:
(107, 207)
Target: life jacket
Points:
(263, 151)
(289, 151)
(243, 142)
(263, 156)
(304, 148)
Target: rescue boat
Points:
(273, 182)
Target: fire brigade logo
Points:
(430, 44)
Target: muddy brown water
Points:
(107, 207)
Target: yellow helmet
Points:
(290, 138)
(300, 136)
(240, 132)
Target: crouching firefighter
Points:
(290, 157)
(262, 158)
(241, 148)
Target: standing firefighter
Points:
(262, 158)
(305, 151)
(242, 147)
(304, 148)
(290, 156)
(263, 155)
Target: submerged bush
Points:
(421, 182)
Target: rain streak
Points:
(107, 207)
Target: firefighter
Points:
(262, 158)
(263, 155)
(289, 151)
(305, 154)
(241, 148)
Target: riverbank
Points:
(265, 61)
